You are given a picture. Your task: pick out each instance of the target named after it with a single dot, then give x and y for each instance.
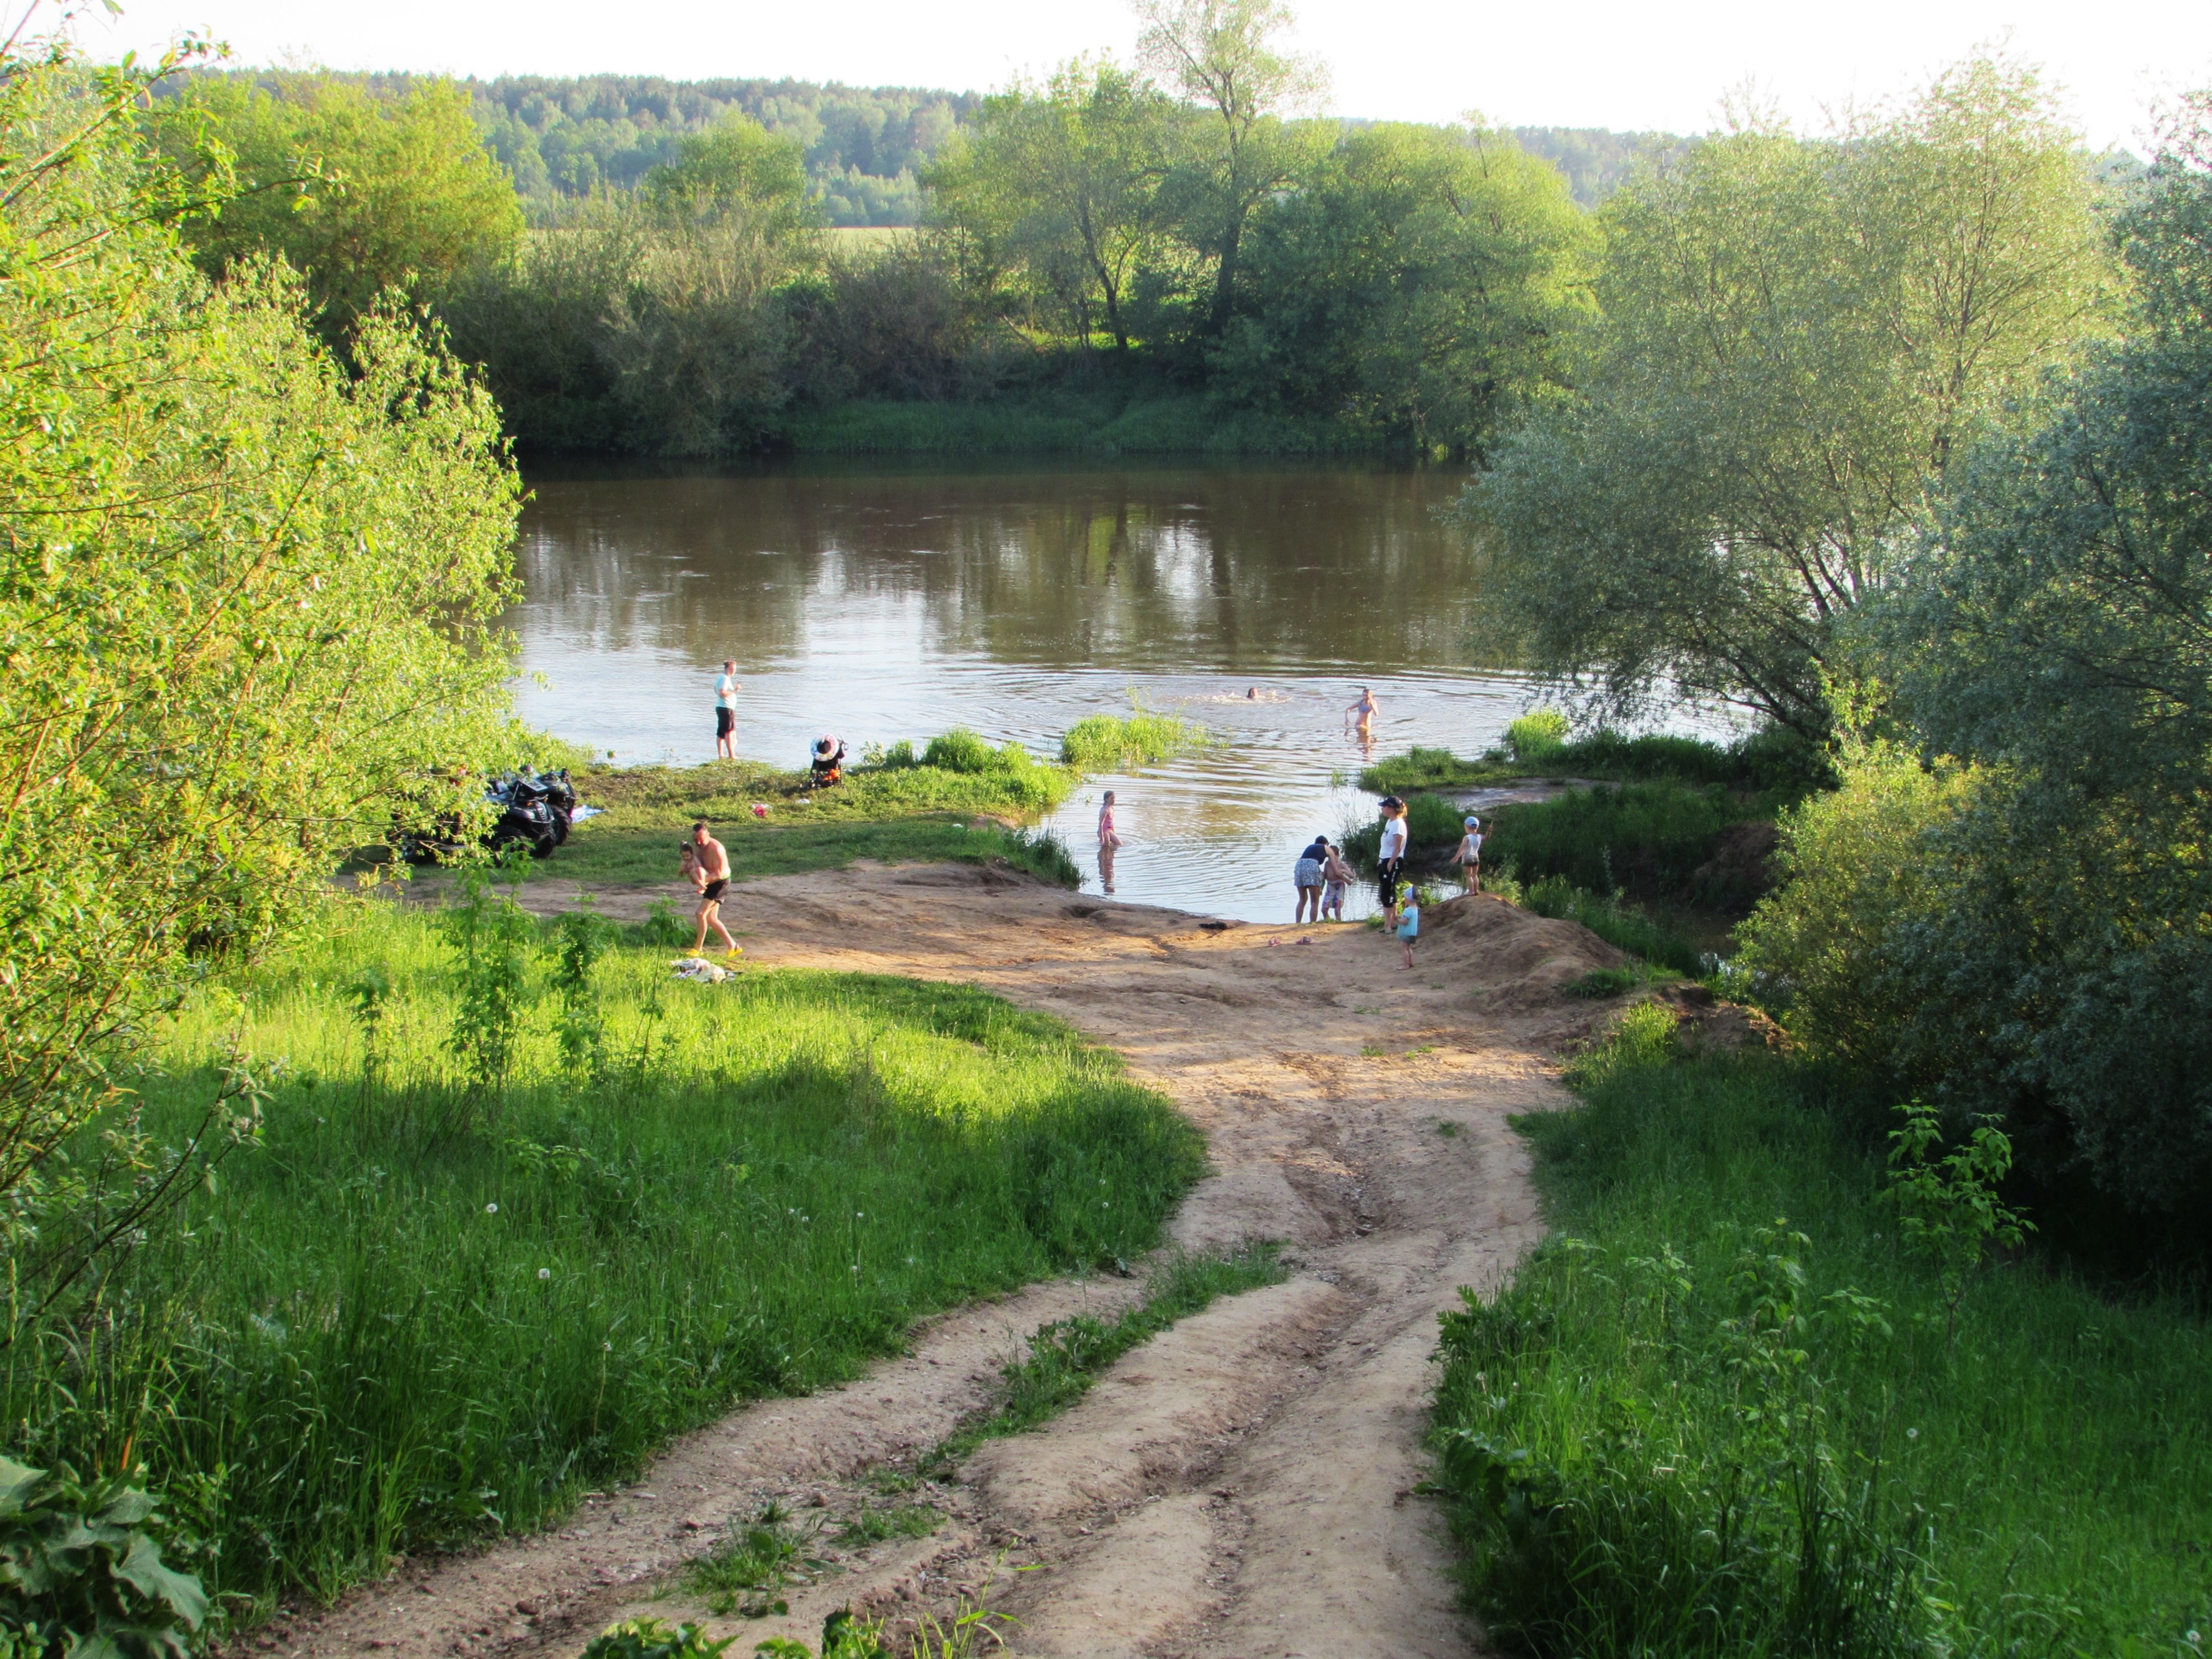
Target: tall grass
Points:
(1647, 838)
(1774, 763)
(1623, 926)
(433, 1306)
(1693, 1427)
(1109, 742)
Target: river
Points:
(882, 602)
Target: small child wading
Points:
(1469, 855)
(1409, 923)
(1335, 875)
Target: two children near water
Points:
(1321, 877)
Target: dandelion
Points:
(859, 1215)
(491, 1209)
(607, 1347)
(545, 1273)
(1912, 1434)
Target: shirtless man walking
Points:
(710, 874)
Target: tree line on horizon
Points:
(564, 139)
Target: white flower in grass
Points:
(1912, 1434)
(491, 1209)
(545, 1273)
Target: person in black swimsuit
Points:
(710, 874)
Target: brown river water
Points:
(881, 601)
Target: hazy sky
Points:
(1586, 63)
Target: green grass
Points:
(1067, 1356)
(896, 809)
(423, 1311)
(1638, 1460)
(1112, 743)
(1624, 926)
(1769, 762)
(602, 856)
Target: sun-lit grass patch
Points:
(505, 1253)
(1720, 1413)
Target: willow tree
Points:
(1060, 186)
(247, 602)
(1226, 60)
(1796, 336)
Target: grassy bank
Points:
(1068, 423)
(1692, 1426)
(1773, 763)
(960, 799)
(504, 1235)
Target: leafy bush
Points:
(1860, 868)
(1537, 736)
(207, 697)
(654, 1638)
(81, 1569)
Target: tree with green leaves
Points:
(1063, 184)
(1423, 279)
(359, 193)
(735, 175)
(1797, 337)
(2054, 628)
(1226, 57)
(248, 604)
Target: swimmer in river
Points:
(1360, 716)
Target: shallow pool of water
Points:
(888, 602)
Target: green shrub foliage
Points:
(247, 598)
(2025, 923)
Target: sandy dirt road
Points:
(1243, 1486)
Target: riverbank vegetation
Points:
(519, 1209)
(1891, 1341)
(1726, 1409)
(1166, 255)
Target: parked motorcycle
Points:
(531, 809)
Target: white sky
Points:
(1585, 63)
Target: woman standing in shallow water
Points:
(1108, 841)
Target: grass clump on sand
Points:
(524, 1206)
(1067, 1356)
(1719, 1412)
(1111, 742)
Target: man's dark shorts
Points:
(726, 720)
(713, 891)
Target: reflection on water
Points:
(886, 603)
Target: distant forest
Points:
(563, 137)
